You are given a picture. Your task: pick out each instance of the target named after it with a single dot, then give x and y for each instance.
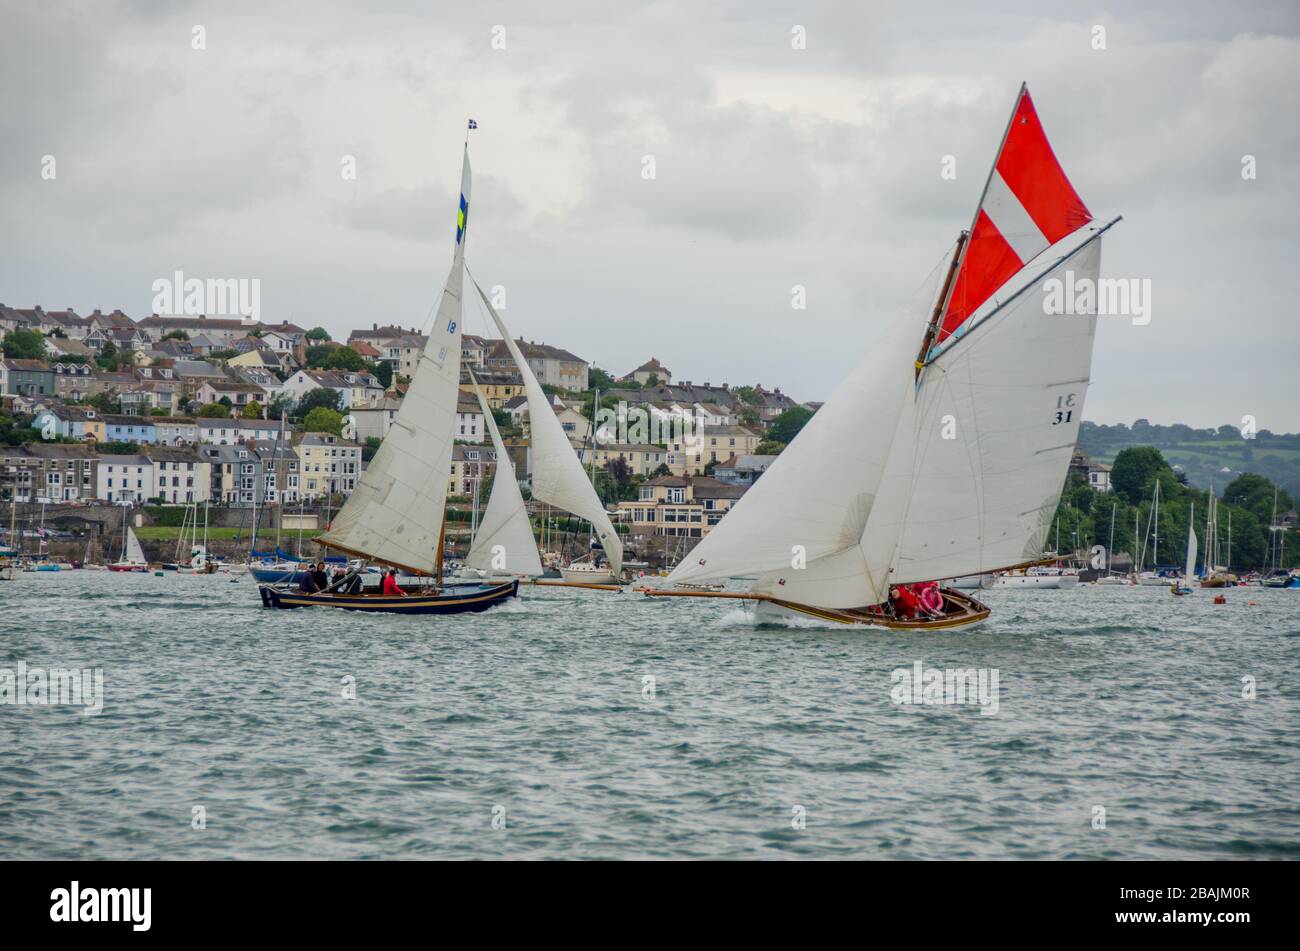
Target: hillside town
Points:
(103, 408)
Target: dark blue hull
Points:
(453, 599)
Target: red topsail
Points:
(1028, 206)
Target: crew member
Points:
(390, 585)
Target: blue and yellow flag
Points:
(461, 217)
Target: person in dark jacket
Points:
(307, 582)
(320, 577)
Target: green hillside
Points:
(1245, 512)
(1207, 456)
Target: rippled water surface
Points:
(538, 714)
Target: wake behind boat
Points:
(946, 464)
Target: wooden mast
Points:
(437, 557)
(939, 307)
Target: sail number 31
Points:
(1064, 409)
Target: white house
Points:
(1099, 476)
(228, 432)
(125, 479)
(239, 394)
(180, 475)
(470, 424)
(304, 381)
(374, 419)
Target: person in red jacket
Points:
(390, 584)
(906, 603)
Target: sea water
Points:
(582, 724)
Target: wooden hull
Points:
(959, 610)
(1219, 580)
(458, 599)
(589, 585)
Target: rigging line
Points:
(480, 311)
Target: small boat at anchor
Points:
(947, 462)
(1189, 570)
(1038, 576)
(397, 514)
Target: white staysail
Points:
(800, 526)
(505, 541)
(134, 553)
(997, 419)
(395, 513)
(1190, 571)
(558, 476)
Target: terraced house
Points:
(125, 478)
(58, 472)
(180, 475)
(25, 378)
(471, 469)
(551, 365)
(680, 506)
(70, 422)
(139, 429)
(73, 381)
(641, 458)
(222, 330)
(713, 445)
(329, 465)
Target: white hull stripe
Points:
(1012, 221)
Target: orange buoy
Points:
(1220, 599)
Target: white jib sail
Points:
(395, 513)
(558, 476)
(997, 420)
(134, 553)
(504, 542)
(1190, 572)
(803, 520)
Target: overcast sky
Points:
(774, 167)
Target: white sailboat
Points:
(558, 477)
(396, 516)
(1152, 579)
(132, 554)
(945, 466)
(1189, 570)
(1216, 575)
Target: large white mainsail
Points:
(395, 514)
(803, 521)
(505, 541)
(558, 476)
(997, 419)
